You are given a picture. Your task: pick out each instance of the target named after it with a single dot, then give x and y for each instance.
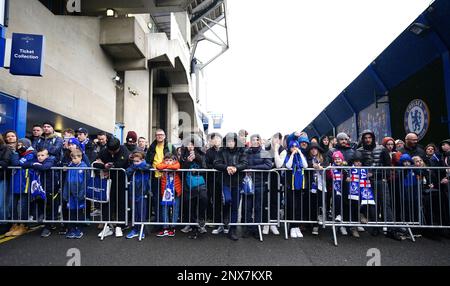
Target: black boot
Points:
(233, 234)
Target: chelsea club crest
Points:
(417, 118)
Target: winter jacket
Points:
(150, 156)
(120, 160)
(49, 179)
(20, 183)
(74, 191)
(141, 175)
(347, 151)
(5, 160)
(374, 155)
(259, 159)
(89, 150)
(231, 158)
(416, 151)
(54, 145)
(36, 142)
(178, 184)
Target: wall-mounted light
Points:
(133, 91)
(110, 12)
(418, 28)
(150, 25)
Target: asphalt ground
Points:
(218, 250)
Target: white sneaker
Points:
(299, 233)
(226, 230)
(319, 219)
(338, 218)
(218, 230)
(274, 229)
(107, 232)
(119, 232)
(315, 230)
(361, 229)
(343, 230)
(186, 229)
(384, 229)
(293, 233)
(265, 230)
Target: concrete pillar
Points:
(150, 108)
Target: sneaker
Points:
(266, 230)
(385, 229)
(361, 229)
(106, 232)
(338, 218)
(186, 229)
(62, 230)
(171, 233)
(363, 219)
(163, 233)
(218, 230)
(315, 230)
(133, 233)
(299, 232)
(226, 230)
(46, 232)
(319, 219)
(78, 233)
(70, 234)
(343, 230)
(354, 232)
(293, 233)
(274, 229)
(20, 230)
(12, 229)
(202, 230)
(96, 213)
(119, 232)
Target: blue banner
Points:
(27, 54)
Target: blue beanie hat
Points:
(404, 158)
(76, 142)
(303, 140)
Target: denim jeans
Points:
(140, 209)
(5, 201)
(175, 212)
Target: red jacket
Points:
(176, 166)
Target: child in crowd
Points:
(139, 173)
(74, 194)
(171, 189)
(338, 176)
(44, 188)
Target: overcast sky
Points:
(288, 59)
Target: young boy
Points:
(139, 174)
(74, 193)
(47, 181)
(170, 193)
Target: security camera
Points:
(117, 78)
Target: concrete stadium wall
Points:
(77, 81)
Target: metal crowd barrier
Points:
(202, 202)
(395, 198)
(63, 195)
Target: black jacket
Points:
(374, 155)
(347, 151)
(150, 156)
(416, 151)
(90, 151)
(120, 160)
(259, 159)
(231, 157)
(5, 159)
(210, 156)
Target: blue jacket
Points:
(49, 179)
(20, 183)
(141, 174)
(74, 192)
(54, 145)
(259, 159)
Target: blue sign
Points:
(27, 54)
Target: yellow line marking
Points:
(4, 239)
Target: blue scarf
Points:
(367, 197)
(410, 179)
(354, 184)
(337, 182)
(297, 172)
